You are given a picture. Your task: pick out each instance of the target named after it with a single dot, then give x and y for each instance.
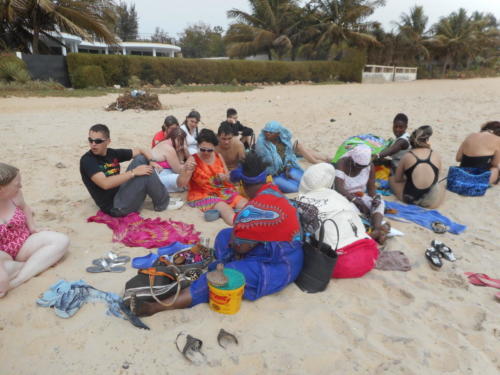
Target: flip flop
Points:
(439, 227)
(191, 349)
(432, 256)
(145, 261)
(112, 258)
(444, 250)
(105, 267)
(481, 279)
(225, 336)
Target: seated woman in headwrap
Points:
(482, 150)
(264, 244)
(274, 145)
(355, 180)
(417, 175)
(206, 176)
(357, 252)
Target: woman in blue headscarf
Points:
(275, 147)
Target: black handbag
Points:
(319, 262)
(165, 279)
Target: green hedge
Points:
(88, 76)
(13, 69)
(118, 69)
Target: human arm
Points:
(30, 221)
(186, 172)
(399, 175)
(224, 177)
(353, 198)
(110, 182)
(400, 144)
(370, 185)
(460, 152)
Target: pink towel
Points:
(134, 231)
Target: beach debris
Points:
(125, 365)
(60, 165)
(135, 99)
(332, 120)
(225, 336)
(117, 86)
(350, 113)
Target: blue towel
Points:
(422, 216)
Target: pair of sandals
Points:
(191, 350)
(436, 252)
(111, 262)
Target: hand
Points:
(362, 207)
(143, 170)
(190, 164)
(377, 199)
(223, 177)
(156, 166)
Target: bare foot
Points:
(140, 308)
(379, 235)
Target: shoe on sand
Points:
(175, 204)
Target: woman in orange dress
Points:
(207, 178)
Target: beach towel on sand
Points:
(377, 144)
(134, 231)
(421, 216)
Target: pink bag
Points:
(356, 259)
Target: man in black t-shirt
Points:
(119, 194)
(238, 128)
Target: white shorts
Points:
(169, 179)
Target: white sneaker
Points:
(175, 204)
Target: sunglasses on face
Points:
(202, 149)
(97, 141)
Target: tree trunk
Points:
(36, 34)
(269, 56)
(446, 62)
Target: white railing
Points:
(381, 73)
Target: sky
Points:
(174, 16)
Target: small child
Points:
(238, 129)
(24, 250)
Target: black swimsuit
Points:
(482, 162)
(411, 193)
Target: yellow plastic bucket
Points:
(227, 299)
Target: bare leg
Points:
(150, 308)
(226, 211)
(378, 233)
(311, 156)
(39, 252)
(9, 269)
(397, 187)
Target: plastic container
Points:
(227, 299)
(211, 215)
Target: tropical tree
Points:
(201, 40)
(267, 28)
(413, 34)
(454, 38)
(85, 18)
(126, 25)
(340, 24)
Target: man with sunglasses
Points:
(119, 194)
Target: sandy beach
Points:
(419, 322)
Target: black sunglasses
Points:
(97, 141)
(206, 149)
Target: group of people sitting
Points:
(245, 182)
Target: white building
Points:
(73, 43)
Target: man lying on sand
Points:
(119, 194)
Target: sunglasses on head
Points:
(202, 149)
(97, 141)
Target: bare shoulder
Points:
(19, 200)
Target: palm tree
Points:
(455, 36)
(85, 18)
(267, 28)
(413, 33)
(339, 24)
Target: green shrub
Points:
(118, 69)
(13, 69)
(134, 82)
(88, 76)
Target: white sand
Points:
(420, 322)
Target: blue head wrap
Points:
(267, 150)
(237, 175)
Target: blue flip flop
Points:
(144, 261)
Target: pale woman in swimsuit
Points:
(482, 150)
(416, 178)
(24, 250)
